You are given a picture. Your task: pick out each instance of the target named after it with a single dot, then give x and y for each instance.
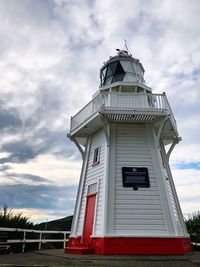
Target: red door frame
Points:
(89, 218)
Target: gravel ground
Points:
(58, 258)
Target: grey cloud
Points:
(31, 11)
(49, 97)
(9, 118)
(20, 151)
(3, 167)
(25, 150)
(28, 177)
(39, 196)
(38, 135)
(50, 102)
(85, 44)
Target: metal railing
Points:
(122, 101)
(42, 237)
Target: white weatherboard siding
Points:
(177, 219)
(79, 193)
(180, 227)
(94, 174)
(99, 210)
(138, 212)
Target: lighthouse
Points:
(126, 201)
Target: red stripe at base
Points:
(137, 245)
(141, 245)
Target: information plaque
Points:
(135, 177)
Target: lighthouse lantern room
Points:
(126, 201)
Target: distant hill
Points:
(63, 224)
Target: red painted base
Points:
(131, 245)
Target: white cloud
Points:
(4, 155)
(186, 153)
(60, 171)
(42, 215)
(187, 183)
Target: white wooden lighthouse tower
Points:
(126, 201)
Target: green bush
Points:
(193, 227)
(14, 220)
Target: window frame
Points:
(96, 156)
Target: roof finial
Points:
(125, 43)
(122, 52)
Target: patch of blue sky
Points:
(82, 43)
(181, 75)
(195, 74)
(190, 165)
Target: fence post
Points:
(24, 242)
(40, 242)
(64, 240)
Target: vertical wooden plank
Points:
(24, 241)
(40, 241)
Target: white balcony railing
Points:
(121, 101)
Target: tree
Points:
(14, 220)
(193, 227)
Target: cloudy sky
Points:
(51, 52)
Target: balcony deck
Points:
(121, 106)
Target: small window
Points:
(92, 189)
(111, 71)
(96, 156)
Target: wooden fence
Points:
(42, 237)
